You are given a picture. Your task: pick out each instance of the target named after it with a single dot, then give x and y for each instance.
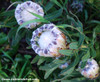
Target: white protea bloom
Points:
(91, 70)
(65, 65)
(22, 13)
(48, 40)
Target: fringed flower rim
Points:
(22, 13)
(47, 40)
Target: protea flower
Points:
(22, 13)
(48, 40)
(91, 70)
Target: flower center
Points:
(45, 39)
(27, 15)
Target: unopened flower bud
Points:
(91, 70)
(65, 65)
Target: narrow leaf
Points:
(86, 56)
(73, 45)
(66, 52)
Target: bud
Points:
(65, 65)
(48, 40)
(91, 70)
(22, 13)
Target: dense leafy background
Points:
(79, 20)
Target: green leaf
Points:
(52, 64)
(3, 38)
(48, 72)
(14, 50)
(94, 21)
(75, 80)
(71, 66)
(69, 71)
(58, 61)
(77, 59)
(40, 17)
(28, 73)
(18, 37)
(54, 15)
(12, 32)
(65, 26)
(81, 39)
(7, 13)
(48, 6)
(57, 3)
(3, 74)
(69, 26)
(86, 15)
(35, 59)
(93, 52)
(73, 45)
(49, 68)
(22, 70)
(77, 23)
(94, 34)
(31, 21)
(6, 54)
(79, 28)
(66, 1)
(86, 56)
(83, 64)
(41, 60)
(66, 52)
(27, 56)
(97, 29)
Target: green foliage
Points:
(3, 38)
(66, 52)
(82, 29)
(73, 45)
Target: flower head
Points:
(91, 70)
(48, 40)
(23, 13)
(78, 4)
